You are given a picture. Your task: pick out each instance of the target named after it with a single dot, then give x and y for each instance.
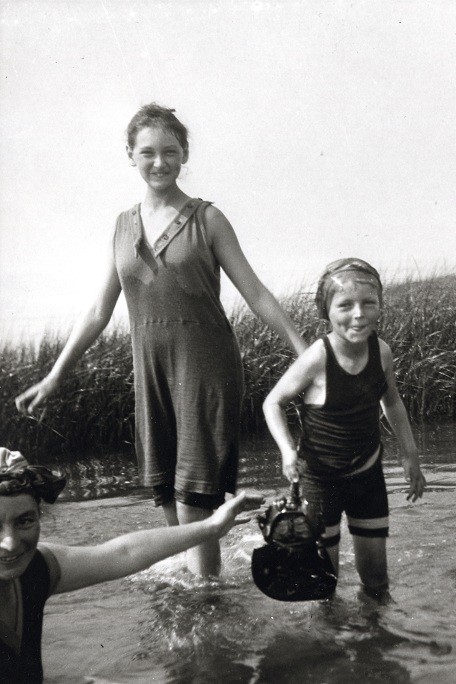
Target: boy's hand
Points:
(290, 465)
(416, 478)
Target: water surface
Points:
(164, 626)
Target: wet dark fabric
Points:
(341, 435)
(164, 494)
(187, 365)
(363, 497)
(24, 666)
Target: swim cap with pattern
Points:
(327, 284)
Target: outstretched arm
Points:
(231, 258)
(396, 415)
(85, 332)
(83, 566)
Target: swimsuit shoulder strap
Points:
(52, 563)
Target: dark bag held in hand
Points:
(293, 565)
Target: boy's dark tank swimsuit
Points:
(293, 565)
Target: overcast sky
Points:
(321, 129)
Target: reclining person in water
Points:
(30, 570)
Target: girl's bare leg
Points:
(170, 512)
(203, 560)
(333, 553)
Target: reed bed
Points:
(94, 412)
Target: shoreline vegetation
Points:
(94, 412)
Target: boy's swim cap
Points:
(18, 477)
(328, 284)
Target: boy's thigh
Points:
(367, 504)
(363, 498)
(325, 504)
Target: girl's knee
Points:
(187, 514)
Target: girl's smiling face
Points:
(159, 156)
(354, 311)
(19, 534)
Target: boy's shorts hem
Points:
(166, 493)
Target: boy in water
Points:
(345, 377)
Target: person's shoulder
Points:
(126, 220)
(386, 354)
(52, 554)
(216, 224)
(214, 216)
(314, 356)
(127, 214)
(384, 346)
(48, 552)
(317, 349)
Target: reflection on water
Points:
(231, 634)
(165, 626)
(96, 478)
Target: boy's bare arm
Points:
(396, 415)
(295, 380)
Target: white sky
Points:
(321, 129)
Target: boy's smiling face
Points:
(354, 310)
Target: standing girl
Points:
(345, 377)
(166, 257)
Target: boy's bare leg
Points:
(203, 560)
(370, 559)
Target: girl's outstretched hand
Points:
(36, 395)
(223, 518)
(416, 478)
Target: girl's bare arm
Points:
(231, 258)
(82, 566)
(86, 330)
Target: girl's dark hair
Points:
(151, 115)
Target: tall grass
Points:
(95, 409)
(420, 326)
